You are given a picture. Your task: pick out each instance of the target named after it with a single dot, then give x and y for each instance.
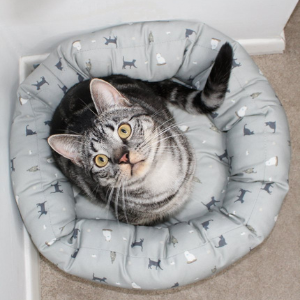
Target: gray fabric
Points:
(242, 150)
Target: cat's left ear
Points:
(105, 95)
(67, 145)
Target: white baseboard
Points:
(32, 269)
(264, 46)
(28, 63)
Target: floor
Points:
(270, 271)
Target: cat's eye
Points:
(124, 131)
(101, 160)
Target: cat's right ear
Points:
(67, 145)
(105, 95)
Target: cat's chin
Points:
(133, 171)
(139, 169)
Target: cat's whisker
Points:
(109, 188)
(161, 149)
(167, 147)
(171, 119)
(116, 202)
(72, 131)
(95, 189)
(124, 202)
(152, 136)
(159, 111)
(159, 132)
(163, 131)
(88, 107)
(159, 141)
(178, 125)
(162, 112)
(110, 197)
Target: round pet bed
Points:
(243, 156)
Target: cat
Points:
(211, 203)
(110, 40)
(47, 123)
(129, 63)
(99, 279)
(189, 32)
(222, 242)
(156, 264)
(115, 139)
(272, 125)
(56, 187)
(223, 156)
(38, 84)
(206, 224)
(63, 88)
(75, 233)
(136, 244)
(75, 253)
(29, 131)
(247, 131)
(43, 210)
(242, 195)
(12, 165)
(59, 65)
(267, 187)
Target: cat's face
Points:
(120, 146)
(116, 150)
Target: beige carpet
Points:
(272, 270)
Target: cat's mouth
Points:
(135, 168)
(132, 164)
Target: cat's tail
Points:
(216, 85)
(213, 94)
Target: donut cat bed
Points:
(242, 150)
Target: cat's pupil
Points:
(101, 158)
(124, 130)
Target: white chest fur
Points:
(165, 177)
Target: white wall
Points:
(30, 27)
(34, 26)
(12, 284)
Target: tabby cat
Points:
(116, 140)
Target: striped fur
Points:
(149, 174)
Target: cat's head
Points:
(117, 148)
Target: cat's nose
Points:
(124, 158)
